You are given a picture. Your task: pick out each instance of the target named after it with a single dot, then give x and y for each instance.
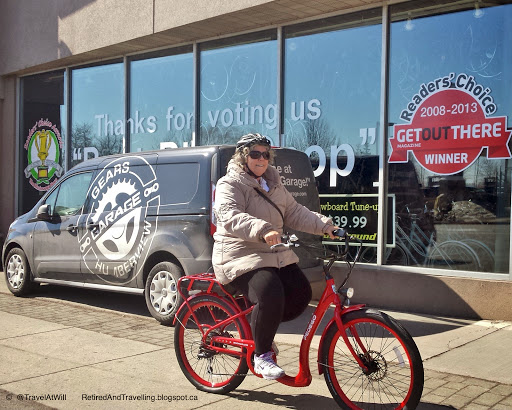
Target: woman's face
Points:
(259, 165)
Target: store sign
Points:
(44, 146)
(449, 123)
(358, 215)
(243, 114)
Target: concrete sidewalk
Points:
(69, 355)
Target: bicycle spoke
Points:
(202, 364)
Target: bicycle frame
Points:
(303, 378)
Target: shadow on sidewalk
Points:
(304, 401)
(117, 302)
(428, 325)
(431, 406)
(416, 324)
(288, 401)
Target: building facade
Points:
(404, 108)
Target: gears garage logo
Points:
(117, 234)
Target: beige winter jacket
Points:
(243, 217)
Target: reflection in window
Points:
(239, 91)
(332, 110)
(449, 77)
(71, 195)
(182, 175)
(97, 117)
(161, 102)
(332, 100)
(42, 149)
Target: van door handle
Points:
(91, 226)
(72, 228)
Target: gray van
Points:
(134, 223)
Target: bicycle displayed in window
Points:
(368, 359)
(484, 252)
(415, 247)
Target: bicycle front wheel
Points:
(205, 368)
(394, 379)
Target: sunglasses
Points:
(258, 155)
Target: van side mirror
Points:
(44, 212)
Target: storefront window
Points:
(449, 117)
(239, 89)
(161, 101)
(42, 139)
(97, 112)
(332, 91)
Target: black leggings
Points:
(279, 295)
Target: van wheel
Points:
(161, 291)
(17, 273)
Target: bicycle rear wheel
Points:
(206, 369)
(394, 379)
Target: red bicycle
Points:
(368, 359)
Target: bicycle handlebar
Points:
(290, 241)
(330, 257)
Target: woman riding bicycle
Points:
(252, 207)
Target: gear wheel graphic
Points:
(110, 195)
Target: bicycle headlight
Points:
(348, 292)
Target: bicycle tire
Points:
(398, 256)
(453, 255)
(205, 369)
(396, 373)
(369, 255)
(485, 254)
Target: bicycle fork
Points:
(331, 296)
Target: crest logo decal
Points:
(44, 146)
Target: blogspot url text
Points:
(138, 397)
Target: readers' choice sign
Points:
(449, 122)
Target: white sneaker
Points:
(265, 366)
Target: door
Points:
(56, 248)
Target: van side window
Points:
(50, 200)
(71, 194)
(178, 182)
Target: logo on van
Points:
(117, 234)
(43, 145)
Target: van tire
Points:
(18, 275)
(161, 292)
